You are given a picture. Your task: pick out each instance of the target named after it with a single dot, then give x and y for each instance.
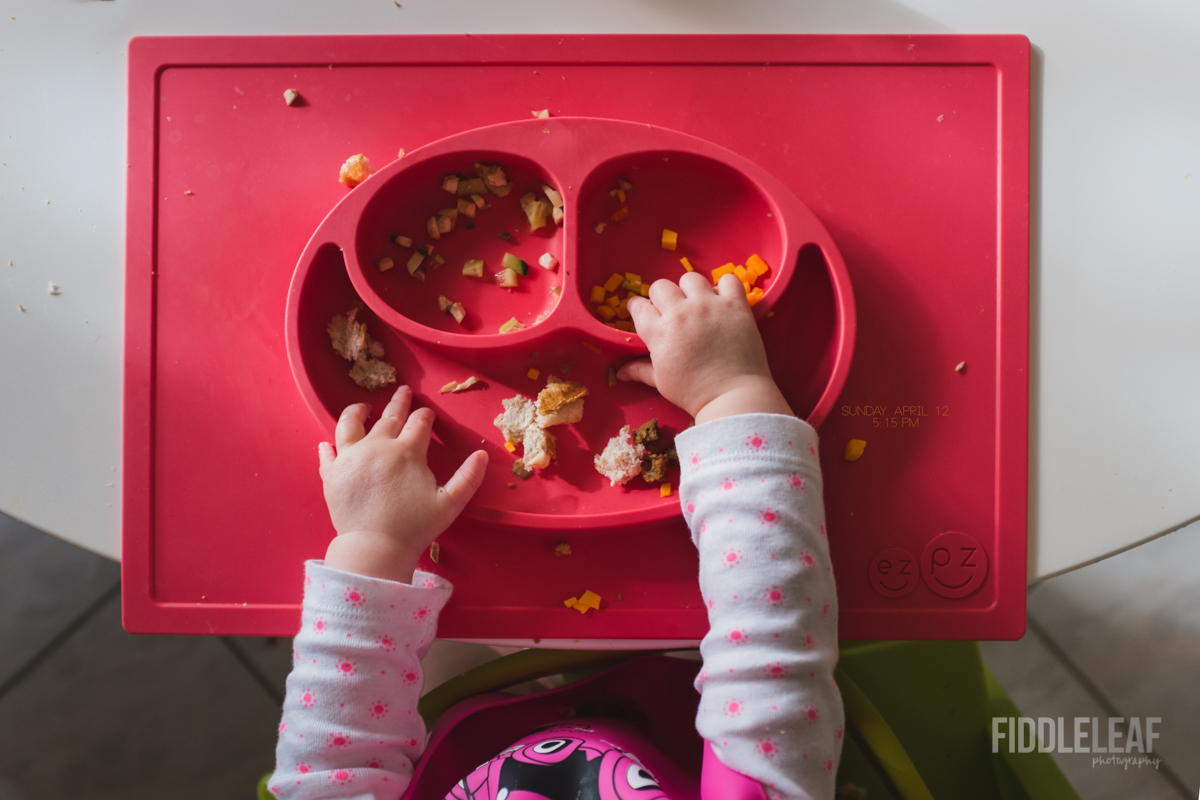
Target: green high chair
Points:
(918, 719)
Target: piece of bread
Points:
(519, 414)
(540, 446)
(349, 336)
(560, 403)
(621, 459)
(372, 374)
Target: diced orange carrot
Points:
(606, 313)
(746, 286)
(597, 294)
(751, 277)
(644, 290)
(756, 265)
(590, 599)
(669, 239)
(633, 277)
(622, 311)
(687, 264)
(741, 273)
(664, 490)
(570, 602)
(755, 295)
(533, 373)
(620, 214)
(510, 447)
(612, 283)
(725, 269)
(621, 195)
(613, 301)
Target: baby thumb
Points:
(641, 370)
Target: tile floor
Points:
(88, 711)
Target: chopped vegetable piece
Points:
(513, 324)
(669, 239)
(507, 278)
(622, 325)
(290, 95)
(595, 348)
(580, 607)
(556, 292)
(444, 303)
(424, 249)
(621, 195)
(633, 277)
(606, 313)
(562, 549)
(458, 312)
(644, 290)
(548, 262)
(746, 287)
(385, 264)
(520, 470)
(505, 235)
(536, 212)
(624, 185)
(466, 208)
(620, 214)
(494, 179)
(435, 552)
(533, 373)
(558, 215)
(756, 265)
(510, 447)
(431, 227)
(623, 310)
(473, 268)
(414, 262)
(600, 227)
(449, 387)
(632, 287)
(356, 170)
(570, 602)
(403, 241)
(724, 269)
(543, 114)
(590, 599)
(437, 259)
(612, 376)
(754, 295)
(446, 218)
(961, 368)
(854, 449)
(687, 264)
(515, 264)
(597, 295)
(419, 274)
(613, 301)
(450, 184)
(741, 273)
(553, 196)
(512, 486)
(467, 384)
(472, 188)
(664, 490)
(478, 200)
(612, 283)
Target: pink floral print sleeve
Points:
(751, 494)
(350, 726)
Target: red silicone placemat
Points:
(911, 151)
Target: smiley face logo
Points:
(894, 573)
(954, 565)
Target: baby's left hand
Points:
(383, 499)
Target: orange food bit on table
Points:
(669, 239)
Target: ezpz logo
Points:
(1047, 735)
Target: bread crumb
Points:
(621, 459)
(562, 549)
(449, 387)
(467, 384)
(356, 169)
(961, 368)
(352, 342)
(20, 308)
(290, 95)
(189, 192)
(54, 288)
(543, 114)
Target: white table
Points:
(1115, 455)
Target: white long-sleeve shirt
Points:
(751, 493)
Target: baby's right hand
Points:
(706, 355)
